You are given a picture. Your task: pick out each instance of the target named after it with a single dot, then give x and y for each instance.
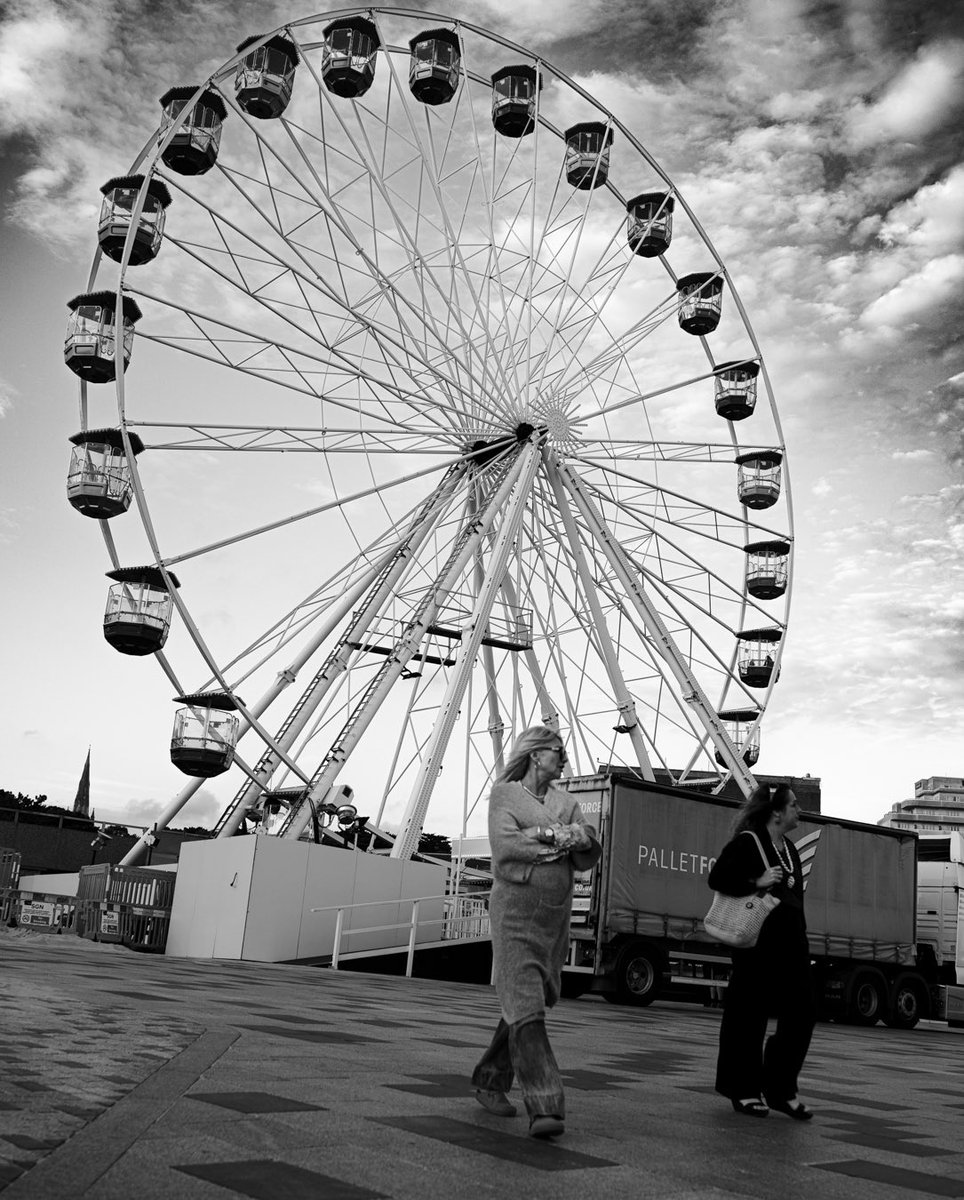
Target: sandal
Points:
(753, 1107)
(793, 1108)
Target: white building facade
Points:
(937, 807)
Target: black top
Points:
(738, 868)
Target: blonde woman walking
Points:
(539, 838)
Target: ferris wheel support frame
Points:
(472, 633)
(550, 710)
(283, 680)
(407, 645)
(496, 726)
(625, 705)
(692, 693)
(381, 584)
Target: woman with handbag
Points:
(538, 837)
(771, 978)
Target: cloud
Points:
(35, 42)
(893, 650)
(7, 396)
(203, 808)
(931, 221)
(9, 532)
(541, 20)
(927, 92)
(926, 303)
(911, 455)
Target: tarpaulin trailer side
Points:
(640, 916)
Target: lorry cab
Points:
(940, 918)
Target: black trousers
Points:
(522, 1051)
(763, 986)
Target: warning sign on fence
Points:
(40, 913)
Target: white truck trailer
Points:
(637, 921)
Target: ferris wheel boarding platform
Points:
(271, 899)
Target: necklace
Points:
(786, 863)
(534, 795)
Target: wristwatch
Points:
(549, 833)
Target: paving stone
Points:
(168, 1079)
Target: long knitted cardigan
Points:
(531, 902)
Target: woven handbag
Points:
(737, 920)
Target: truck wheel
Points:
(907, 1002)
(866, 1000)
(638, 975)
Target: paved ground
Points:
(135, 1076)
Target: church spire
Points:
(82, 799)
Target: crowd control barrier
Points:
(49, 911)
(127, 905)
(9, 868)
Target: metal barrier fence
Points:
(131, 925)
(8, 904)
(127, 905)
(145, 886)
(9, 867)
(38, 910)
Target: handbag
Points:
(737, 920)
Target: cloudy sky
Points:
(821, 145)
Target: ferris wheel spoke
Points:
(568, 331)
(459, 269)
(596, 451)
(672, 508)
(624, 702)
(686, 562)
(643, 654)
(268, 439)
(644, 397)
(610, 272)
(554, 577)
(555, 650)
(384, 585)
(369, 159)
(683, 574)
(395, 347)
(689, 685)
(709, 658)
(490, 269)
(386, 287)
(470, 642)
(587, 302)
(317, 510)
(563, 311)
(578, 378)
(391, 554)
(317, 607)
(422, 617)
(248, 346)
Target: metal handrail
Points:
(412, 924)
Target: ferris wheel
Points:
(435, 414)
